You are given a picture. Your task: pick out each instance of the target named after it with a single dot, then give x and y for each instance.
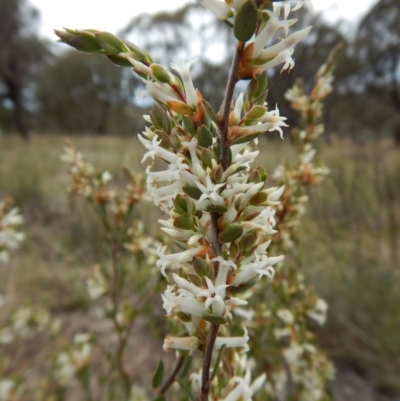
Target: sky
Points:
(115, 14)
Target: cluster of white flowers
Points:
(10, 221)
(74, 360)
(26, 322)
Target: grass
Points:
(348, 250)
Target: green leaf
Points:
(204, 137)
(166, 122)
(120, 61)
(159, 398)
(217, 209)
(188, 125)
(245, 21)
(185, 222)
(244, 287)
(193, 192)
(262, 84)
(258, 199)
(180, 204)
(231, 233)
(158, 375)
(200, 266)
(217, 361)
(215, 319)
(248, 240)
(185, 367)
(255, 112)
(233, 250)
(186, 388)
(165, 141)
(246, 138)
(110, 43)
(156, 115)
(207, 156)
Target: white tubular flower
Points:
(275, 194)
(238, 107)
(261, 267)
(190, 91)
(214, 297)
(210, 192)
(181, 343)
(187, 286)
(217, 7)
(156, 150)
(183, 302)
(166, 260)
(241, 391)
(284, 44)
(159, 92)
(267, 33)
(139, 67)
(223, 270)
(233, 342)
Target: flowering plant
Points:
(220, 214)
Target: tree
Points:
(182, 35)
(21, 51)
(85, 93)
(378, 47)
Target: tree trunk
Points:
(15, 94)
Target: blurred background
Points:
(351, 234)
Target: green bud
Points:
(160, 73)
(193, 192)
(245, 21)
(204, 137)
(110, 43)
(83, 41)
(231, 233)
(184, 221)
(138, 54)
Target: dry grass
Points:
(349, 241)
